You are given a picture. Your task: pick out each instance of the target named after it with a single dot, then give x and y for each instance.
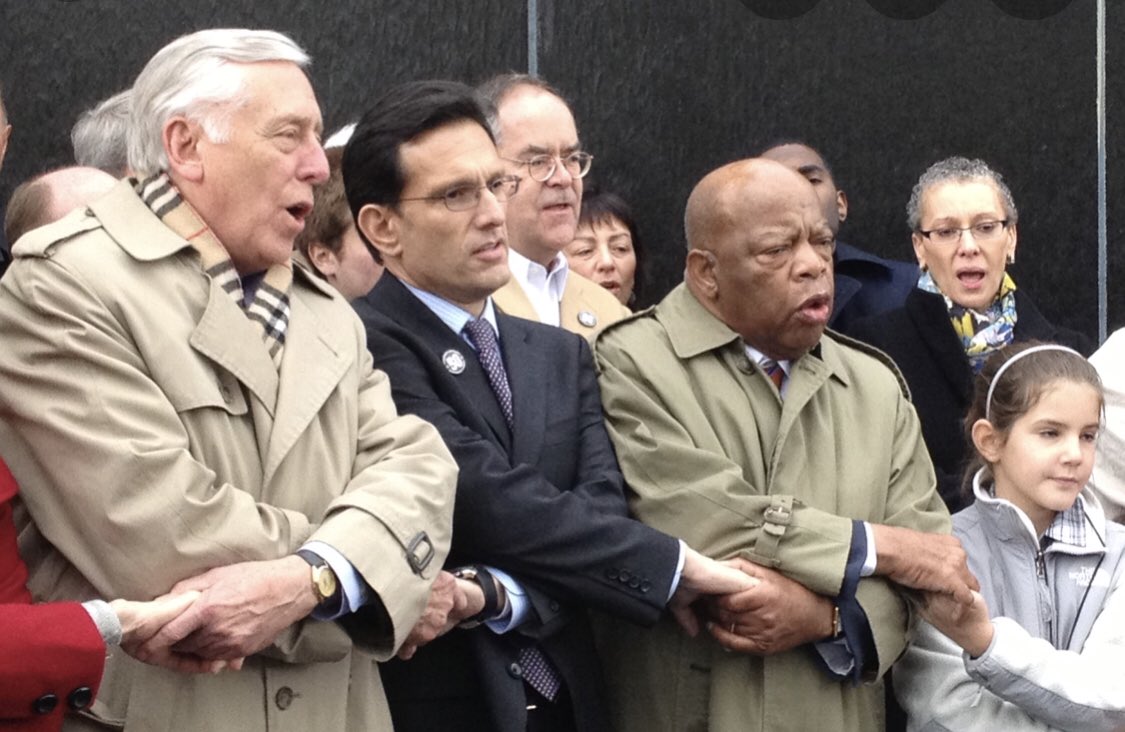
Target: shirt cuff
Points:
(871, 559)
(354, 592)
(679, 571)
(519, 606)
(106, 621)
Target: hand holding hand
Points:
(969, 626)
(451, 600)
(775, 615)
(241, 609)
(930, 562)
(703, 576)
(142, 620)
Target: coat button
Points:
(611, 573)
(284, 698)
(646, 586)
(623, 578)
(634, 582)
(554, 606)
(80, 698)
(515, 671)
(45, 704)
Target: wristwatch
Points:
(480, 575)
(324, 583)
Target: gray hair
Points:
(100, 136)
(196, 77)
(495, 89)
(958, 169)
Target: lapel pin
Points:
(587, 319)
(453, 361)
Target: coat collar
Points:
(134, 227)
(692, 330)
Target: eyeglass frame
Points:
(962, 229)
(556, 158)
(444, 197)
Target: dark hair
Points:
(1019, 389)
(330, 217)
(783, 141)
(372, 164)
(600, 206)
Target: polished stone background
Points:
(665, 91)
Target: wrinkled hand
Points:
(142, 620)
(930, 562)
(241, 609)
(703, 576)
(776, 615)
(969, 626)
(451, 600)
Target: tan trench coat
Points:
(707, 447)
(585, 309)
(153, 439)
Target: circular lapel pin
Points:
(587, 319)
(453, 361)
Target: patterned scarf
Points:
(269, 307)
(981, 333)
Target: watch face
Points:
(325, 582)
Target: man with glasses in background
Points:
(538, 140)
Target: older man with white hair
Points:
(186, 410)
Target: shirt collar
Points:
(452, 315)
(533, 276)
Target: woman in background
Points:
(605, 245)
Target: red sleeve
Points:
(48, 649)
(13, 573)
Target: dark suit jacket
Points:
(867, 285)
(543, 502)
(46, 651)
(920, 338)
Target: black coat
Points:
(543, 501)
(920, 338)
(867, 285)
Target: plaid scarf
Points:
(981, 333)
(269, 307)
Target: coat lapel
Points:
(226, 336)
(930, 317)
(316, 357)
(527, 373)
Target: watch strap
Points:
(487, 583)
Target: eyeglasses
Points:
(463, 198)
(982, 231)
(542, 167)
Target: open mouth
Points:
(300, 212)
(816, 309)
(492, 250)
(971, 278)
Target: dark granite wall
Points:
(664, 91)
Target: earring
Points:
(1011, 258)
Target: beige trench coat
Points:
(707, 447)
(153, 438)
(585, 309)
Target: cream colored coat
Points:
(153, 439)
(585, 309)
(708, 448)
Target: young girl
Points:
(1043, 645)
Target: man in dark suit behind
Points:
(865, 284)
(540, 528)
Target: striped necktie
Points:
(774, 371)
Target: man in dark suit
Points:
(541, 530)
(865, 284)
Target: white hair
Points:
(99, 137)
(197, 77)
